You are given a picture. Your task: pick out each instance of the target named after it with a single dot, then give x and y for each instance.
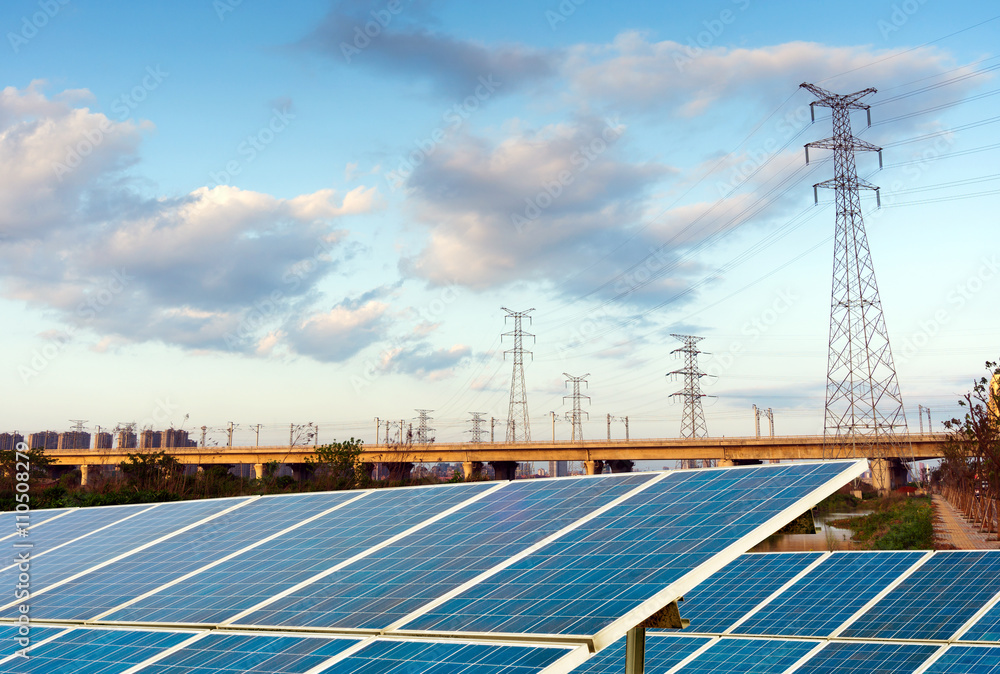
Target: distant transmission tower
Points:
(518, 427)
(477, 426)
(863, 403)
(693, 419)
(423, 430)
(577, 415)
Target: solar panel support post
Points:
(635, 651)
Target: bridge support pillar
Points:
(504, 470)
(258, 471)
(472, 469)
(399, 471)
(593, 467)
(88, 473)
(887, 474)
(621, 466)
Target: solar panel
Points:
(34, 518)
(725, 596)
(222, 592)
(249, 654)
(124, 537)
(987, 628)
(112, 585)
(588, 579)
(87, 651)
(830, 594)
(868, 658)
(387, 656)
(9, 635)
(662, 653)
(967, 659)
(748, 656)
(383, 587)
(936, 600)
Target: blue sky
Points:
(252, 212)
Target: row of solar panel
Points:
(128, 651)
(567, 556)
(914, 595)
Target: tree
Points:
(339, 462)
(150, 470)
(13, 463)
(973, 454)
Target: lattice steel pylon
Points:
(576, 416)
(477, 427)
(693, 421)
(864, 408)
(518, 426)
(423, 430)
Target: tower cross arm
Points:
(828, 99)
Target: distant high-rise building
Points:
(125, 440)
(150, 439)
(102, 440)
(43, 440)
(73, 440)
(174, 437)
(558, 468)
(9, 441)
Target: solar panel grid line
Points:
(128, 553)
(35, 526)
(801, 662)
(957, 636)
(739, 547)
(524, 553)
(885, 591)
(86, 535)
(774, 595)
(686, 661)
(929, 662)
(229, 556)
(343, 655)
(361, 555)
(40, 642)
(166, 652)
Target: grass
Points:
(896, 523)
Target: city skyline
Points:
(267, 215)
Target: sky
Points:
(274, 214)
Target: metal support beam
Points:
(635, 651)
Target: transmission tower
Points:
(577, 415)
(518, 427)
(693, 419)
(477, 426)
(423, 430)
(864, 408)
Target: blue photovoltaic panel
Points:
(249, 654)
(595, 574)
(97, 592)
(248, 579)
(121, 538)
(78, 523)
(831, 593)
(8, 519)
(748, 656)
(385, 586)
(89, 651)
(867, 658)
(727, 595)
(398, 657)
(9, 635)
(935, 600)
(987, 628)
(968, 659)
(662, 653)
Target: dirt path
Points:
(952, 531)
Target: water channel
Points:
(827, 537)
